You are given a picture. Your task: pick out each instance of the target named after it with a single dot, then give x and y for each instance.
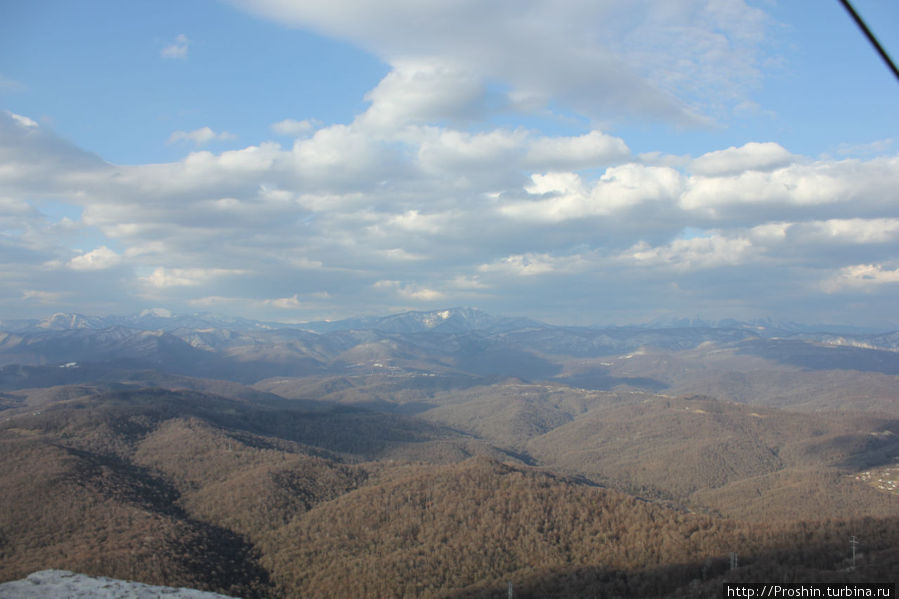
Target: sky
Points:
(575, 161)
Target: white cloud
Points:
(44, 297)
(216, 300)
(35, 163)
(648, 58)
(281, 303)
(15, 208)
(422, 294)
(292, 127)
(751, 156)
(449, 150)
(285, 303)
(851, 230)
(177, 49)
(339, 154)
(535, 264)
(566, 196)
(100, 258)
(863, 186)
(200, 137)
(770, 233)
(396, 254)
(414, 221)
(834, 233)
(467, 283)
(692, 254)
(865, 149)
(173, 277)
(24, 121)
(591, 150)
(440, 215)
(162, 278)
(864, 277)
(409, 291)
(417, 92)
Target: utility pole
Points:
(852, 543)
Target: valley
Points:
(445, 454)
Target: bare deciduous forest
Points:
(594, 493)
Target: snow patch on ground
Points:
(58, 584)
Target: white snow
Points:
(59, 584)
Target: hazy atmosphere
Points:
(578, 162)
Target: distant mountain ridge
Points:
(449, 320)
(457, 341)
(148, 320)
(764, 326)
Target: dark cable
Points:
(883, 54)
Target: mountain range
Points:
(449, 320)
(459, 319)
(459, 341)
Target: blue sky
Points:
(584, 162)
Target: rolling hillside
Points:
(433, 458)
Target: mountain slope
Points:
(701, 451)
(264, 496)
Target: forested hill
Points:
(283, 498)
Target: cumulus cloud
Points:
(752, 156)
(848, 230)
(285, 303)
(100, 258)
(646, 58)
(590, 150)
(162, 277)
(691, 254)
(13, 208)
(414, 221)
(864, 277)
(177, 49)
(534, 264)
(295, 128)
(200, 137)
(408, 291)
(417, 92)
(468, 283)
(216, 301)
(448, 150)
(294, 302)
(809, 184)
(35, 161)
(429, 214)
(24, 121)
(429, 194)
(44, 297)
(338, 150)
(565, 196)
(865, 149)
